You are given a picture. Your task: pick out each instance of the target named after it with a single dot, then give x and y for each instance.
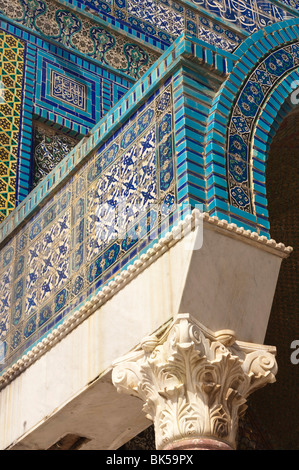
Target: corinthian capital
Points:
(194, 382)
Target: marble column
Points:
(194, 383)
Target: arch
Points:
(283, 326)
(260, 79)
(270, 117)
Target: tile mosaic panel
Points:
(102, 219)
(70, 91)
(11, 76)
(76, 93)
(208, 20)
(81, 34)
(102, 89)
(49, 148)
(249, 15)
(166, 20)
(291, 3)
(243, 118)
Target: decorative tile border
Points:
(270, 116)
(250, 16)
(292, 5)
(257, 58)
(220, 23)
(53, 22)
(12, 52)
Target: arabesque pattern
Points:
(80, 34)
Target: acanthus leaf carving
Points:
(194, 382)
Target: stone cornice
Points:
(178, 232)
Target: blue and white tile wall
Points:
(243, 119)
(162, 21)
(102, 219)
(223, 23)
(63, 91)
(107, 45)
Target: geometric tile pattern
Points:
(102, 219)
(243, 118)
(11, 76)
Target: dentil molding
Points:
(194, 382)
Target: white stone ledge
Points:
(228, 283)
(176, 234)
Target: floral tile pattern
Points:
(71, 30)
(99, 221)
(167, 19)
(250, 15)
